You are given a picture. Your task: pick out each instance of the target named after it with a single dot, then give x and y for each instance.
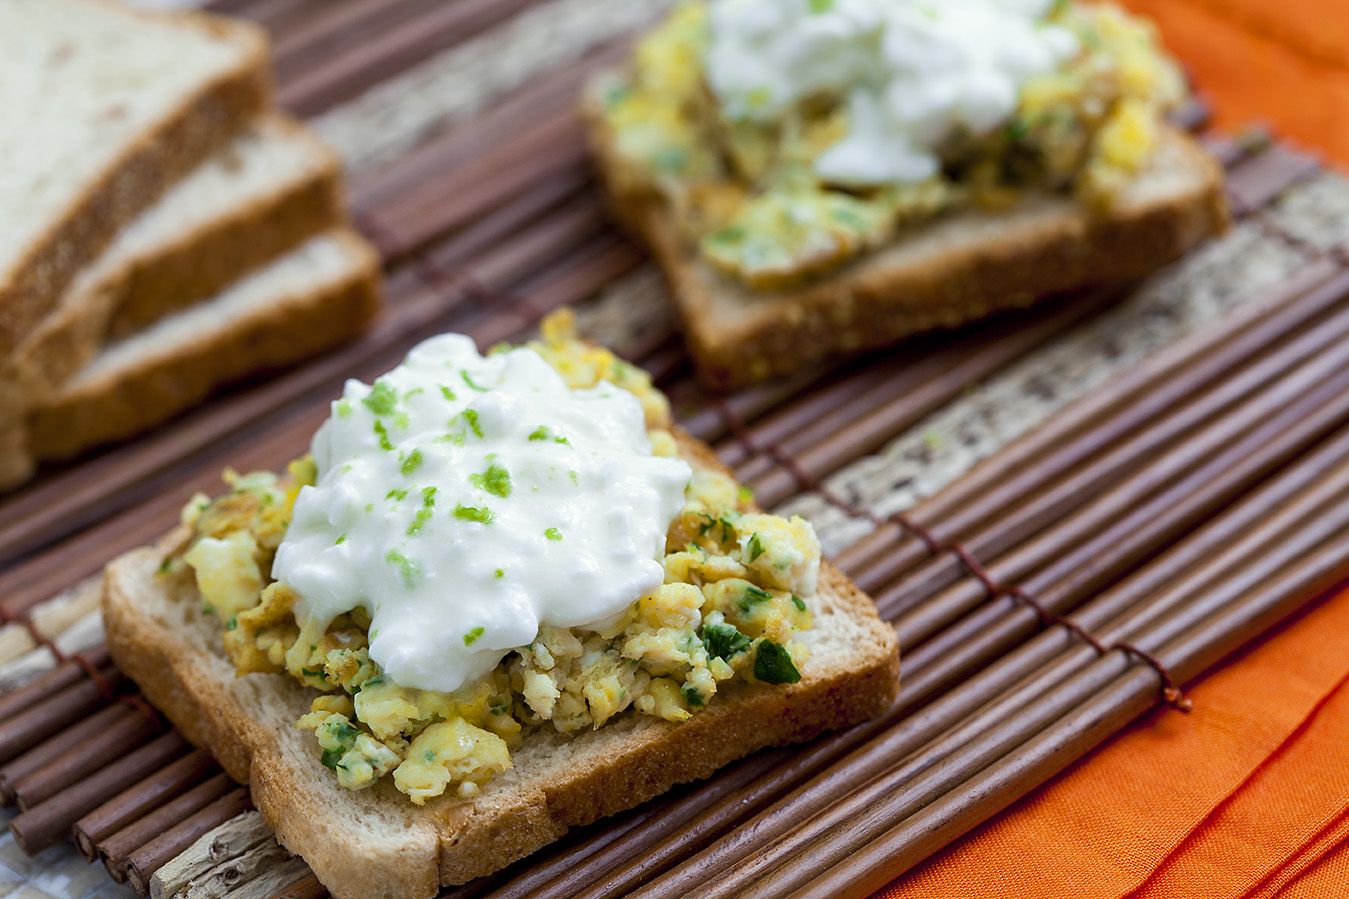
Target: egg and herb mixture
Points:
(790, 136)
(731, 593)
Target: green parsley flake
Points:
(799, 603)
(382, 398)
(411, 462)
(418, 522)
(480, 514)
(472, 636)
(754, 548)
(232, 623)
(752, 597)
(723, 640)
(397, 494)
(553, 534)
(692, 696)
(340, 540)
(343, 408)
(407, 569)
(500, 573)
(384, 442)
(495, 480)
(540, 433)
(471, 416)
(413, 392)
(446, 392)
(463, 373)
(773, 664)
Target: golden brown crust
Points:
(202, 122)
(559, 781)
(92, 412)
(958, 268)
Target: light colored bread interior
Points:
(269, 188)
(104, 107)
(319, 294)
(375, 843)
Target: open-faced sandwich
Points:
(820, 176)
(500, 599)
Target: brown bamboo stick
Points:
(137, 797)
(1228, 407)
(120, 845)
(143, 862)
(50, 822)
(1318, 517)
(307, 888)
(78, 759)
(42, 754)
(1117, 408)
(1174, 488)
(1299, 496)
(28, 728)
(1130, 693)
(44, 686)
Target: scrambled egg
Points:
(735, 599)
(745, 192)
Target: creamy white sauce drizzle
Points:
(466, 500)
(912, 73)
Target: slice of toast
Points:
(271, 187)
(105, 107)
(954, 269)
(375, 843)
(317, 295)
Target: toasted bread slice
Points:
(105, 107)
(319, 294)
(375, 843)
(271, 187)
(954, 269)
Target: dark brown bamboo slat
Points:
(139, 797)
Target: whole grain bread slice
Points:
(954, 269)
(375, 843)
(268, 189)
(105, 107)
(319, 294)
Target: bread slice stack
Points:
(162, 230)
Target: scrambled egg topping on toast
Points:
(746, 192)
(736, 596)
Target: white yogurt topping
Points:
(465, 501)
(912, 73)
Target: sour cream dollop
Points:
(911, 73)
(464, 501)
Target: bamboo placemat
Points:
(468, 169)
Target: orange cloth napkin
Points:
(1248, 796)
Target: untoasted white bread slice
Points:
(104, 107)
(317, 295)
(375, 843)
(954, 269)
(271, 187)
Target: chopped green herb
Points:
(723, 640)
(232, 623)
(799, 603)
(571, 473)
(207, 609)
(312, 672)
(331, 757)
(500, 573)
(752, 597)
(370, 507)
(429, 755)
(553, 534)
(340, 540)
(692, 696)
(343, 408)
(746, 495)
(471, 416)
(539, 433)
(495, 480)
(382, 398)
(773, 664)
(411, 462)
(819, 6)
(383, 434)
(419, 521)
(401, 420)
(500, 709)
(670, 160)
(463, 373)
(472, 636)
(413, 392)
(446, 392)
(407, 569)
(480, 514)
(754, 548)
(398, 493)
(166, 566)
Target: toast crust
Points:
(951, 270)
(559, 781)
(202, 122)
(197, 264)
